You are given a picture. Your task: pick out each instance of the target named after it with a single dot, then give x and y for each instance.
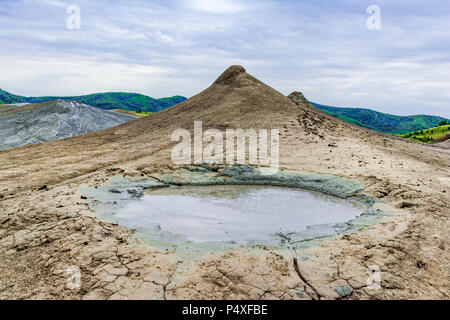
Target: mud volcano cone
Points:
(236, 100)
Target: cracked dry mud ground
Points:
(45, 225)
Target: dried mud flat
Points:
(46, 225)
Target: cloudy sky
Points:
(168, 47)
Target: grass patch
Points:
(141, 114)
(428, 135)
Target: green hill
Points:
(107, 101)
(8, 98)
(428, 135)
(382, 122)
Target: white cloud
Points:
(216, 6)
(164, 37)
(167, 47)
(55, 3)
(69, 75)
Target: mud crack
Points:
(298, 271)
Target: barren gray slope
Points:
(34, 123)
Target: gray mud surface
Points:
(35, 123)
(209, 207)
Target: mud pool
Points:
(214, 208)
(233, 213)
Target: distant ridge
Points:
(378, 121)
(105, 101)
(367, 118)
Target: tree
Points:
(443, 123)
